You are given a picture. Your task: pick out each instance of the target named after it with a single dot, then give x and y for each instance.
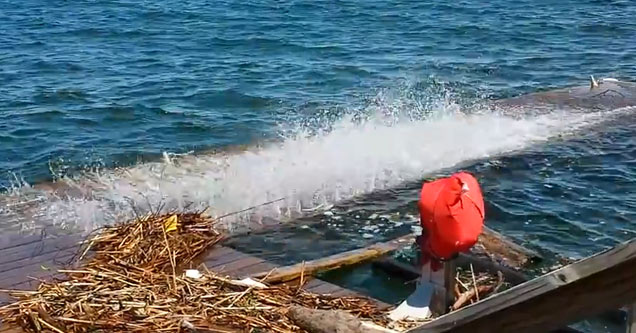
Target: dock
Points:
(548, 303)
(25, 260)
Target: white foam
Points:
(306, 171)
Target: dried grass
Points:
(133, 281)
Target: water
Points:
(314, 103)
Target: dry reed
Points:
(132, 280)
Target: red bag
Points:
(451, 214)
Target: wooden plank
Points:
(335, 261)
(36, 270)
(249, 270)
(450, 270)
(217, 252)
(31, 250)
(309, 285)
(17, 268)
(22, 265)
(15, 239)
(220, 258)
(325, 288)
(505, 250)
(580, 290)
(232, 267)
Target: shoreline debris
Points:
(143, 275)
(138, 277)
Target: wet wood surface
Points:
(338, 260)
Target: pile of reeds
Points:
(132, 280)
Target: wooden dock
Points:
(548, 303)
(25, 259)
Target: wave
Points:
(303, 172)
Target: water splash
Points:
(305, 171)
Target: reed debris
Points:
(137, 277)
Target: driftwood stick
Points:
(465, 297)
(483, 290)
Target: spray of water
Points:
(304, 171)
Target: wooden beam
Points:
(495, 243)
(288, 273)
(507, 251)
(580, 290)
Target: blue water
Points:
(88, 86)
(109, 82)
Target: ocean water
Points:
(107, 107)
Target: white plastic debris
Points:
(248, 282)
(193, 274)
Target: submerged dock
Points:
(549, 303)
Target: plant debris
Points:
(470, 288)
(137, 277)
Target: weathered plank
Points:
(40, 247)
(249, 270)
(335, 261)
(505, 250)
(230, 268)
(223, 256)
(30, 267)
(580, 290)
(325, 288)
(15, 239)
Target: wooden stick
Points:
(472, 273)
(50, 326)
(302, 276)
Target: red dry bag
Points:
(451, 214)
